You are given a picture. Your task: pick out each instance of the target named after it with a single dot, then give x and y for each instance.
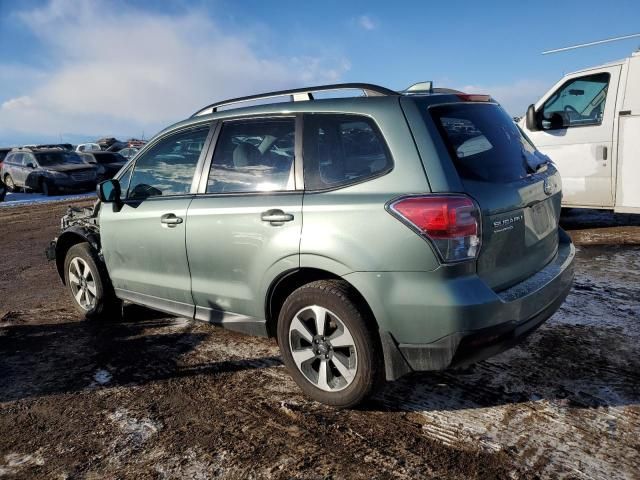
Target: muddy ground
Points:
(159, 397)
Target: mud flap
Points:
(395, 366)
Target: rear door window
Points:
(342, 149)
(14, 159)
(484, 142)
(254, 156)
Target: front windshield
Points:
(46, 159)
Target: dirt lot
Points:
(158, 397)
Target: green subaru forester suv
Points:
(373, 235)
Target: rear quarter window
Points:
(341, 149)
(484, 142)
(14, 159)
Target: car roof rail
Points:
(300, 94)
(38, 148)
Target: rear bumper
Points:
(463, 348)
(433, 321)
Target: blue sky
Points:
(73, 70)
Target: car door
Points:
(244, 226)
(16, 169)
(143, 242)
(577, 134)
(29, 172)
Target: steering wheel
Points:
(570, 109)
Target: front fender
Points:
(67, 239)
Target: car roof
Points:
(302, 100)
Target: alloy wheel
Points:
(82, 283)
(9, 183)
(323, 348)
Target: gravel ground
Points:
(161, 397)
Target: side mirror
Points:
(109, 192)
(559, 120)
(32, 165)
(532, 120)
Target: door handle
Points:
(170, 220)
(602, 152)
(276, 216)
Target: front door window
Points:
(578, 102)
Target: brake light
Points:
(473, 97)
(450, 222)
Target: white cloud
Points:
(121, 70)
(515, 97)
(366, 22)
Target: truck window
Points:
(578, 102)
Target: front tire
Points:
(46, 189)
(8, 181)
(88, 283)
(329, 345)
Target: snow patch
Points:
(13, 462)
(137, 430)
(20, 199)
(102, 377)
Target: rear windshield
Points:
(109, 158)
(484, 142)
(56, 158)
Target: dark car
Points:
(3, 191)
(107, 163)
(47, 171)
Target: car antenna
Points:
(590, 44)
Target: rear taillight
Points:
(450, 222)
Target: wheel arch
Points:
(68, 239)
(285, 284)
(395, 365)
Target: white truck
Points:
(589, 125)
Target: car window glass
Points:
(27, 160)
(124, 180)
(15, 159)
(342, 149)
(580, 101)
(484, 142)
(46, 159)
(168, 167)
(254, 156)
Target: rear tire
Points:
(338, 359)
(88, 284)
